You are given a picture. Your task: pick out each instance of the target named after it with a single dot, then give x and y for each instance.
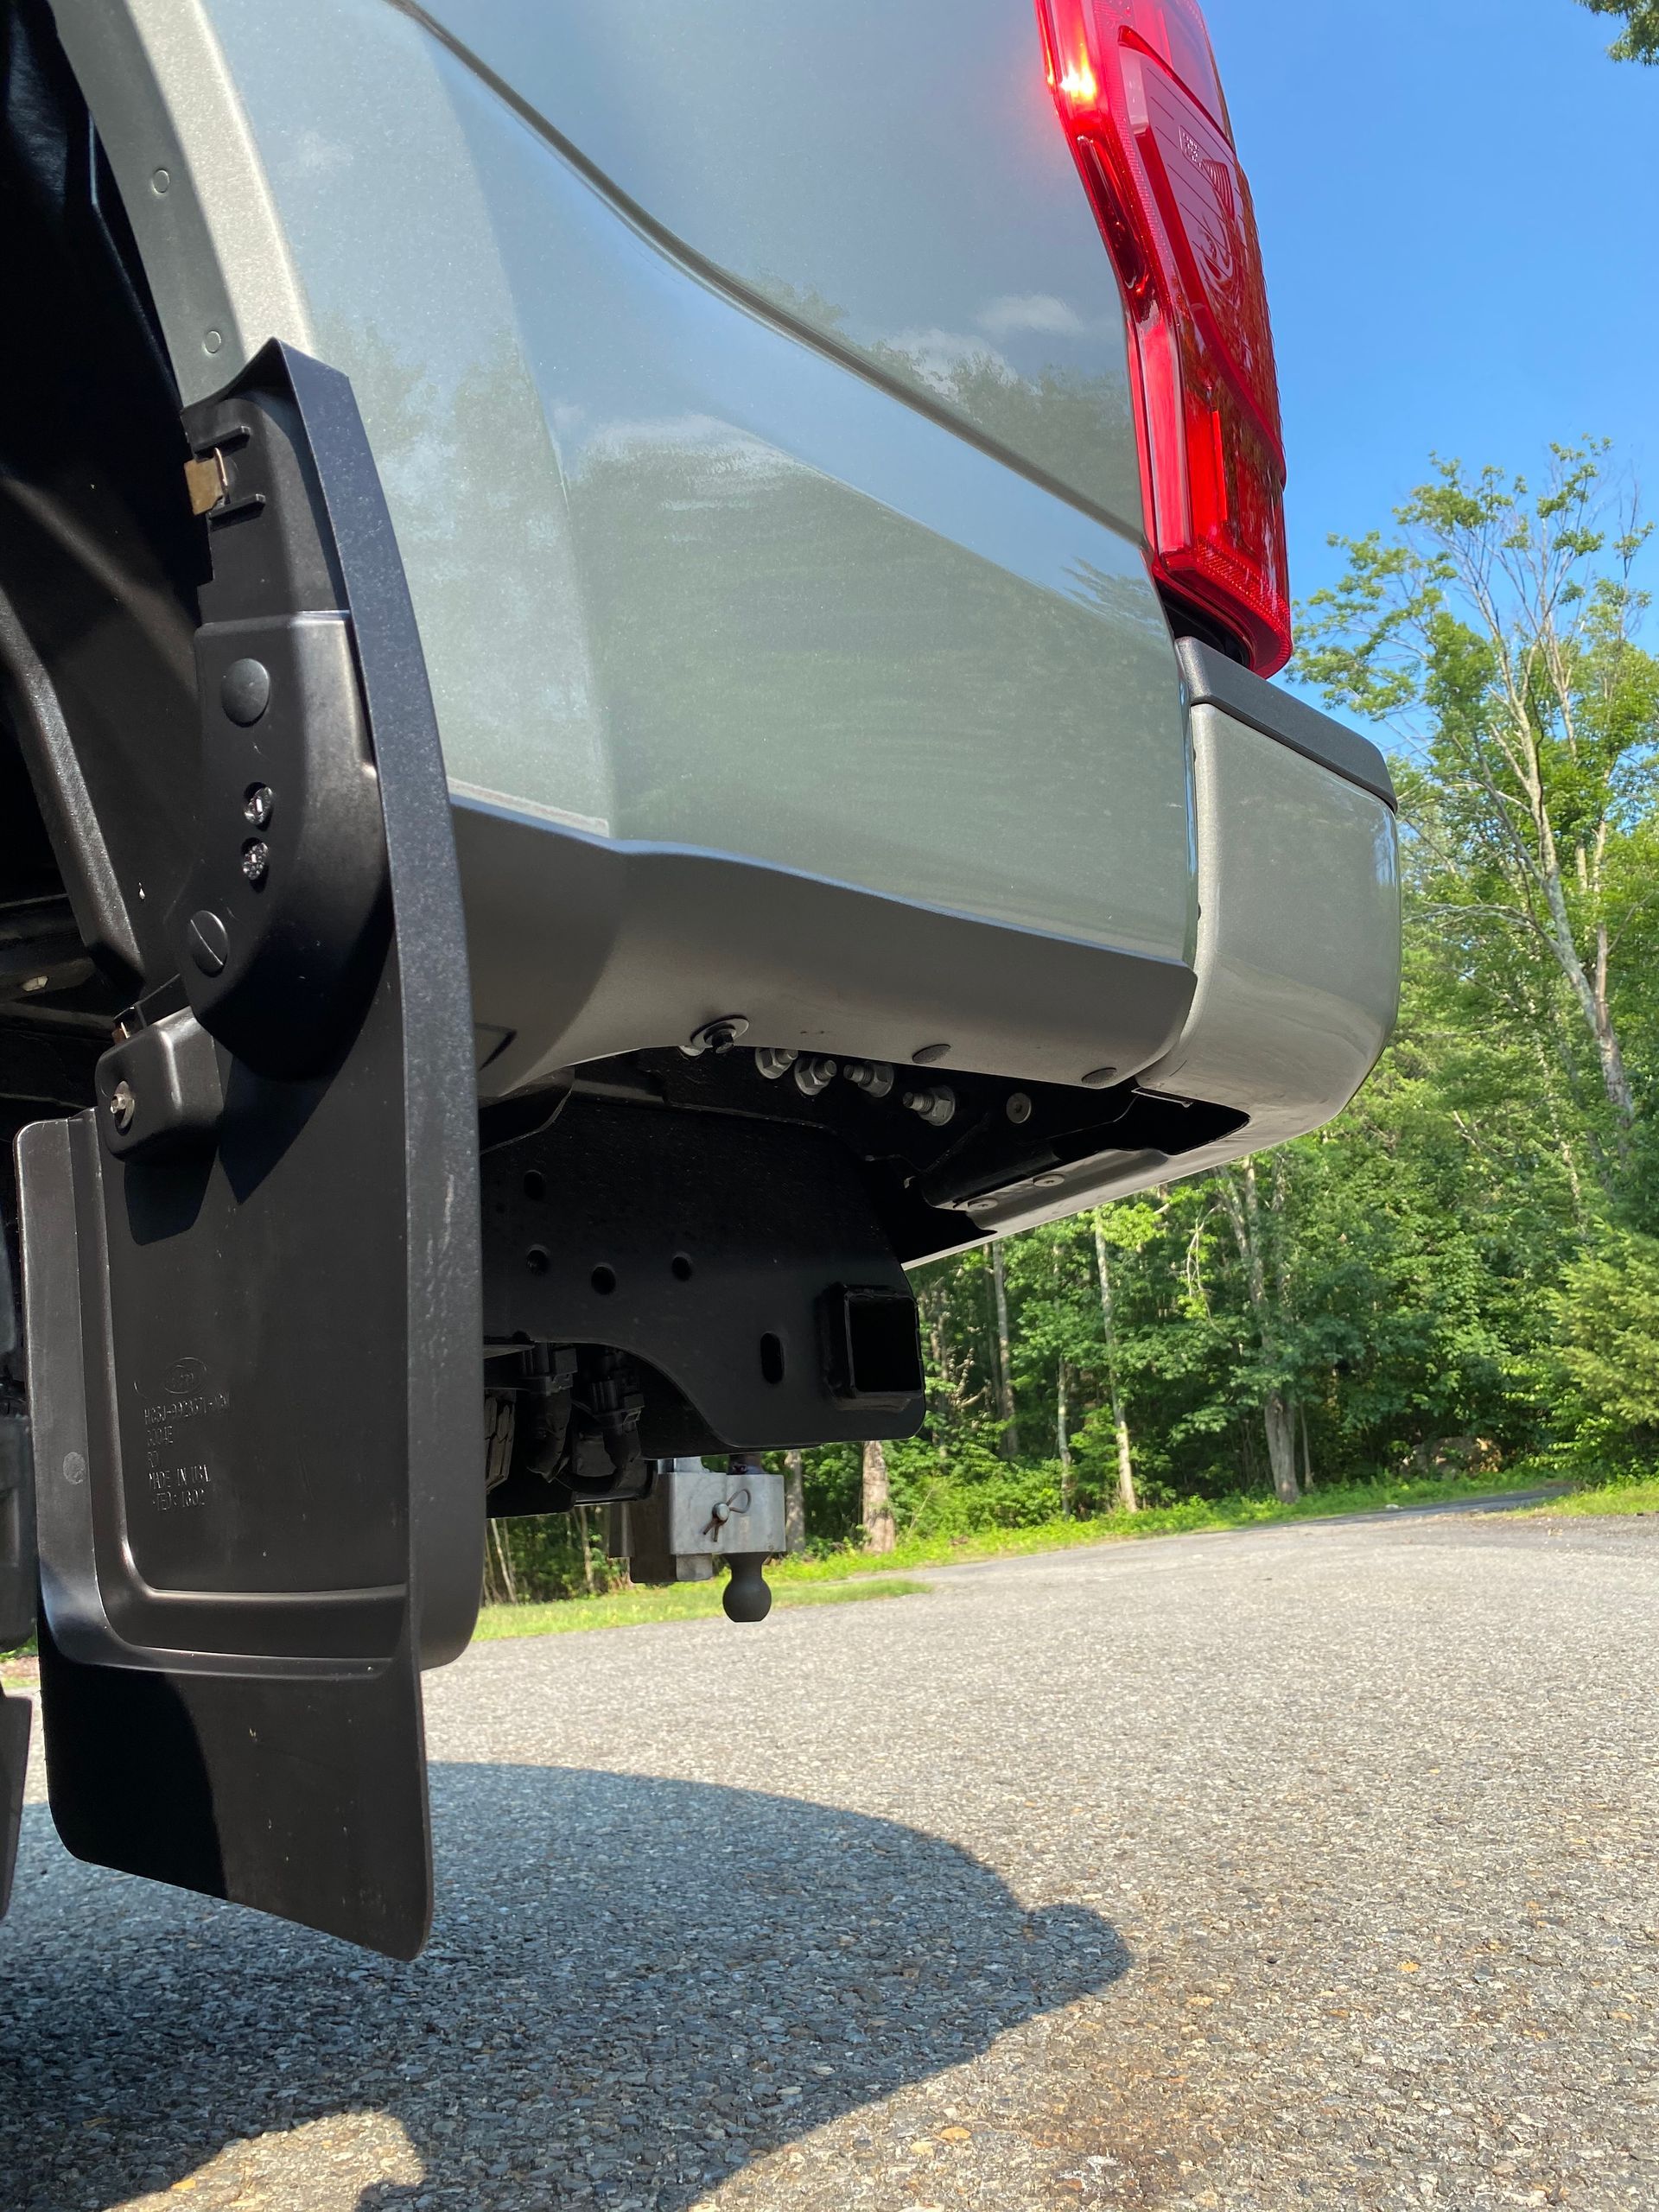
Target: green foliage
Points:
(1639, 40)
(1498, 631)
(1632, 1494)
(1609, 1314)
(547, 1556)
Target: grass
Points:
(1192, 1516)
(682, 1601)
(1634, 1497)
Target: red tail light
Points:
(1137, 87)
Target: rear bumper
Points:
(1298, 957)
(583, 949)
(1298, 931)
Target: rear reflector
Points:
(1136, 84)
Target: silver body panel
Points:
(1300, 935)
(752, 408)
(682, 576)
(1298, 963)
(890, 178)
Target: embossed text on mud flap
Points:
(174, 1477)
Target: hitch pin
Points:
(737, 1502)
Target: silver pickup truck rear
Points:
(638, 712)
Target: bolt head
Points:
(716, 1036)
(258, 805)
(937, 1106)
(1019, 1108)
(123, 1106)
(874, 1077)
(208, 941)
(244, 691)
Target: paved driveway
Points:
(1313, 1866)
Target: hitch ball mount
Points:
(693, 1516)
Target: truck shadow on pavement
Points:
(635, 1987)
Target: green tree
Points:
(1609, 1308)
(1639, 40)
(1498, 627)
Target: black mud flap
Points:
(13, 1770)
(251, 1273)
(16, 1578)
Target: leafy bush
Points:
(1609, 1314)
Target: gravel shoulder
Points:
(1314, 1865)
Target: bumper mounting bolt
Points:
(717, 1037)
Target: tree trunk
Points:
(1279, 1418)
(587, 1550)
(877, 1510)
(500, 1584)
(1010, 1444)
(1068, 1485)
(1590, 990)
(1308, 1456)
(1127, 1499)
(1278, 1415)
(1614, 1076)
(794, 1501)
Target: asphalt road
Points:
(1311, 1866)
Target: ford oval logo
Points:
(184, 1377)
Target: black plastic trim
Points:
(1214, 681)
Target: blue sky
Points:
(1459, 208)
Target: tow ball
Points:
(747, 1596)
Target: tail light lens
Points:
(1136, 84)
